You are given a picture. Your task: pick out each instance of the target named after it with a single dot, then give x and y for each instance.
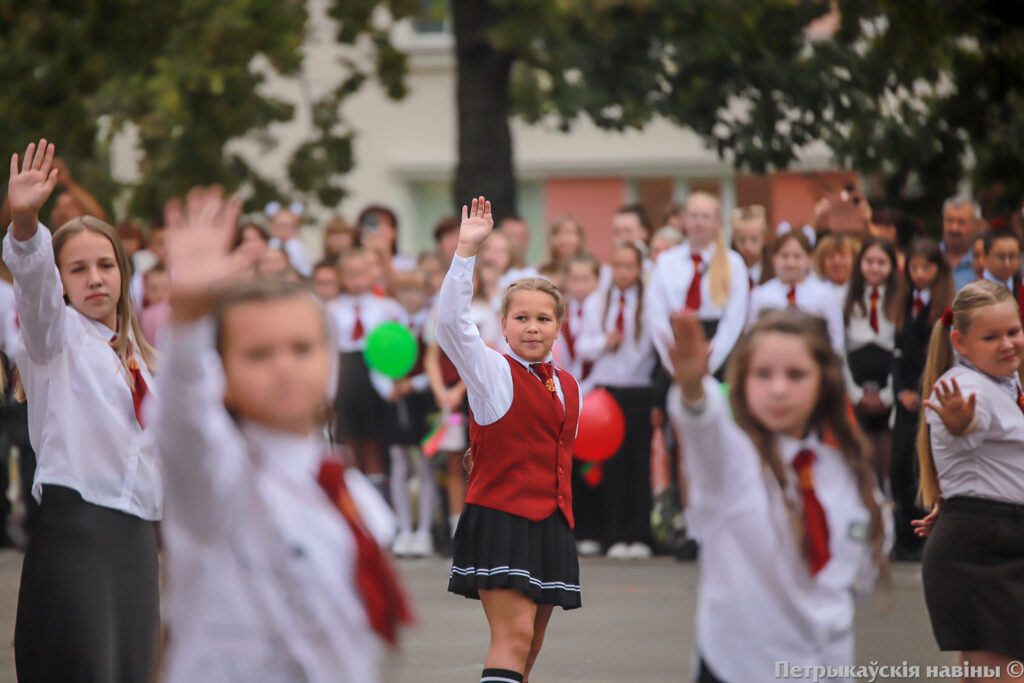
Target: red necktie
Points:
(570, 338)
(693, 294)
(1020, 399)
(815, 523)
(357, 329)
(750, 281)
(918, 305)
(385, 602)
(620, 319)
(791, 295)
(139, 388)
(546, 372)
(874, 309)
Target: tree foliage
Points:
(191, 76)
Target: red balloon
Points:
(602, 427)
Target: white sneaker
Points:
(421, 545)
(619, 551)
(639, 551)
(402, 545)
(588, 548)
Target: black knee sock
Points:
(500, 676)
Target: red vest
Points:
(522, 463)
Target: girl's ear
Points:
(958, 342)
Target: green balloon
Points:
(391, 350)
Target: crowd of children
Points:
(842, 392)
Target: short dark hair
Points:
(445, 226)
(639, 211)
(992, 236)
(378, 210)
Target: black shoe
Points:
(688, 551)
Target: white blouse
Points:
(81, 416)
(859, 334)
(373, 311)
(631, 364)
(260, 563)
(812, 296)
(666, 296)
(757, 601)
(485, 372)
(988, 462)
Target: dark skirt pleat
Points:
(88, 606)
(973, 573)
(360, 411)
(494, 549)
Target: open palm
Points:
(689, 352)
(200, 232)
(477, 222)
(31, 185)
(956, 410)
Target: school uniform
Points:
(810, 296)
(263, 569)
(754, 274)
(973, 557)
(407, 418)
(870, 339)
(516, 529)
(626, 374)
(761, 600)
(909, 355)
(566, 348)
(88, 601)
(672, 289)
(360, 411)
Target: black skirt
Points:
(360, 411)
(88, 606)
(408, 418)
(973, 572)
(495, 549)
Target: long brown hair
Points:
(942, 289)
(830, 414)
(969, 300)
(127, 319)
(638, 316)
(855, 294)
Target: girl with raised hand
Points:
(971, 454)
(274, 565)
(513, 548)
(88, 602)
(790, 527)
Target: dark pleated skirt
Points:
(494, 549)
(973, 572)
(408, 419)
(88, 606)
(360, 411)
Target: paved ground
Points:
(636, 625)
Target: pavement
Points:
(636, 624)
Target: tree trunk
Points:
(482, 101)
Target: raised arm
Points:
(202, 452)
(28, 252)
(483, 370)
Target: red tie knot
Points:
(546, 372)
(802, 464)
(874, 293)
(697, 260)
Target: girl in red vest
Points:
(513, 549)
(790, 527)
(274, 568)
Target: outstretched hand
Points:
(689, 354)
(477, 223)
(200, 232)
(30, 186)
(956, 412)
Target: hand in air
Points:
(31, 185)
(956, 412)
(689, 354)
(477, 223)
